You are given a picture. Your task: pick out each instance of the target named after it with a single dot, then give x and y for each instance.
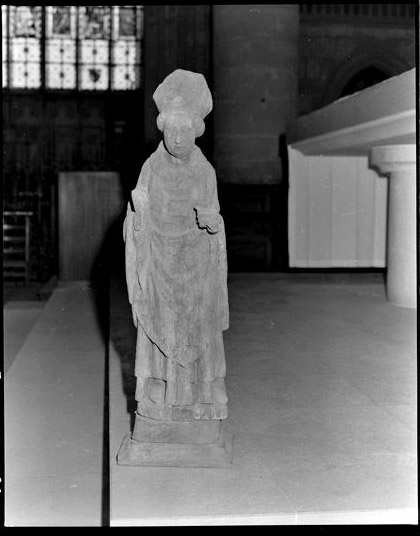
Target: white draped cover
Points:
(337, 212)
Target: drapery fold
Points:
(176, 272)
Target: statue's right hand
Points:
(137, 218)
(140, 199)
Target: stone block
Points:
(147, 453)
(154, 431)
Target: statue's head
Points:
(183, 100)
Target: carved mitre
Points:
(184, 91)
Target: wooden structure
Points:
(16, 245)
(90, 204)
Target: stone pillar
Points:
(255, 81)
(399, 161)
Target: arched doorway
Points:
(363, 69)
(363, 79)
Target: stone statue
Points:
(176, 274)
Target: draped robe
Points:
(176, 272)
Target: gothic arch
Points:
(379, 59)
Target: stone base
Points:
(160, 454)
(153, 431)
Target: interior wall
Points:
(333, 49)
(255, 55)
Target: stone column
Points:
(399, 161)
(255, 81)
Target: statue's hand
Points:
(137, 220)
(140, 199)
(208, 219)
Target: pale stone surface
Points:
(176, 268)
(325, 425)
(19, 317)
(54, 405)
(161, 454)
(399, 161)
(153, 431)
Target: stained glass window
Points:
(127, 48)
(4, 45)
(85, 47)
(24, 66)
(94, 33)
(60, 47)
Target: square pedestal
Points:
(178, 445)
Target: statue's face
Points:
(179, 135)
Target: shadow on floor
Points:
(113, 308)
(123, 336)
(108, 265)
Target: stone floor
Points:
(322, 402)
(22, 306)
(19, 317)
(54, 415)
